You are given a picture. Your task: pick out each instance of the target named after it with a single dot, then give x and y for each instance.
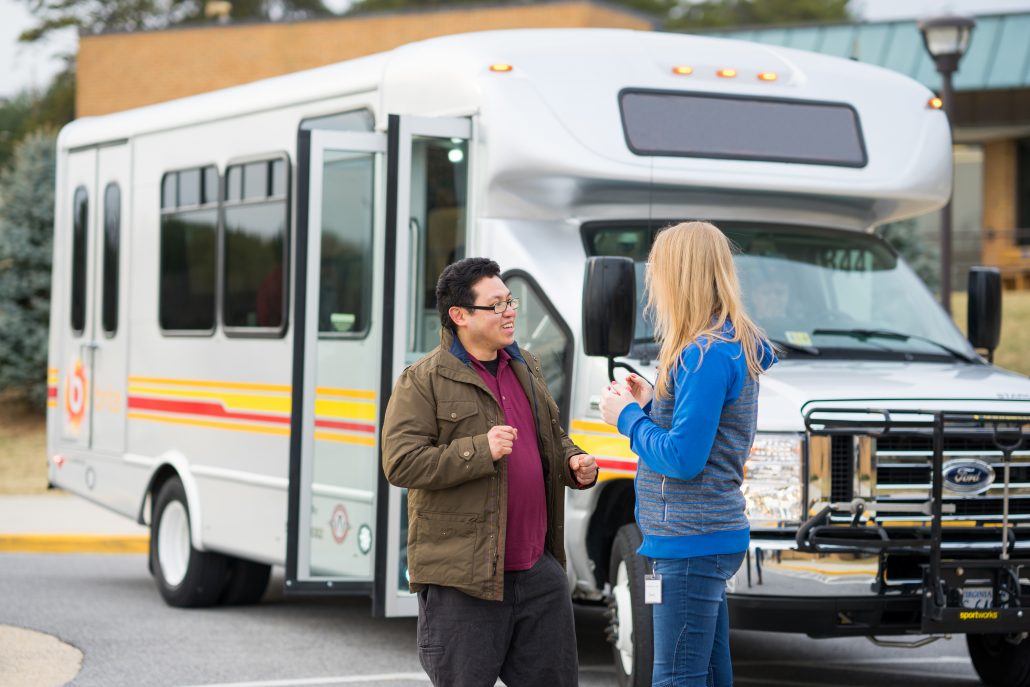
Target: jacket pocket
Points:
(455, 411)
(445, 545)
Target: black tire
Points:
(185, 577)
(246, 583)
(633, 652)
(999, 662)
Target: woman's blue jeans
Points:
(691, 624)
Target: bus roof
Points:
(557, 112)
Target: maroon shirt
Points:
(527, 506)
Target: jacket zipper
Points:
(665, 504)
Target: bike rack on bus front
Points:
(943, 579)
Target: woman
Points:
(692, 442)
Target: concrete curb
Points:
(75, 543)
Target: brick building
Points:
(119, 71)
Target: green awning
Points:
(998, 55)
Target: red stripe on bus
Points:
(353, 426)
(209, 409)
(51, 392)
(201, 408)
(614, 464)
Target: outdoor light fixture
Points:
(946, 39)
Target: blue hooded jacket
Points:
(692, 446)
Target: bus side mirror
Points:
(984, 309)
(609, 306)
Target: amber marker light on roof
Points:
(726, 73)
(501, 67)
(683, 71)
(767, 76)
(936, 104)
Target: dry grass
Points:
(1014, 349)
(23, 430)
(22, 448)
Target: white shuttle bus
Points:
(240, 276)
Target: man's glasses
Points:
(498, 308)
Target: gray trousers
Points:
(528, 639)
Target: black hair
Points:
(454, 288)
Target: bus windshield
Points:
(814, 291)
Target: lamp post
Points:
(946, 39)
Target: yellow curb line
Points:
(74, 543)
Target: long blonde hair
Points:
(693, 290)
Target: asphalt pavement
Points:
(59, 523)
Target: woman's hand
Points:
(613, 399)
(642, 392)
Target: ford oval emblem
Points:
(968, 476)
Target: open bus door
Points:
(379, 215)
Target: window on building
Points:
(80, 227)
(1023, 192)
(255, 216)
(112, 241)
(189, 245)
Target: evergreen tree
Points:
(94, 16)
(26, 240)
(31, 110)
(731, 13)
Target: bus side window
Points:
(80, 222)
(255, 217)
(189, 246)
(112, 242)
(541, 331)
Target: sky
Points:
(25, 67)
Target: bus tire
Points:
(998, 661)
(246, 583)
(630, 628)
(185, 577)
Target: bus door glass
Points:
(77, 200)
(108, 302)
(338, 330)
(431, 214)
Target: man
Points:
(473, 433)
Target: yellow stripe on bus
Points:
(612, 447)
(345, 438)
(346, 393)
(591, 426)
(345, 410)
(280, 388)
(211, 424)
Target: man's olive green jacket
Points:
(434, 443)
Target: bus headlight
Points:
(772, 480)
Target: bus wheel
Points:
(630, 627)
(185, 576)
(1000, 660)
(247, 582)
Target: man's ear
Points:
(458, 315)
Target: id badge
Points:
(652, 589)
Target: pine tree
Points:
(26, 240)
